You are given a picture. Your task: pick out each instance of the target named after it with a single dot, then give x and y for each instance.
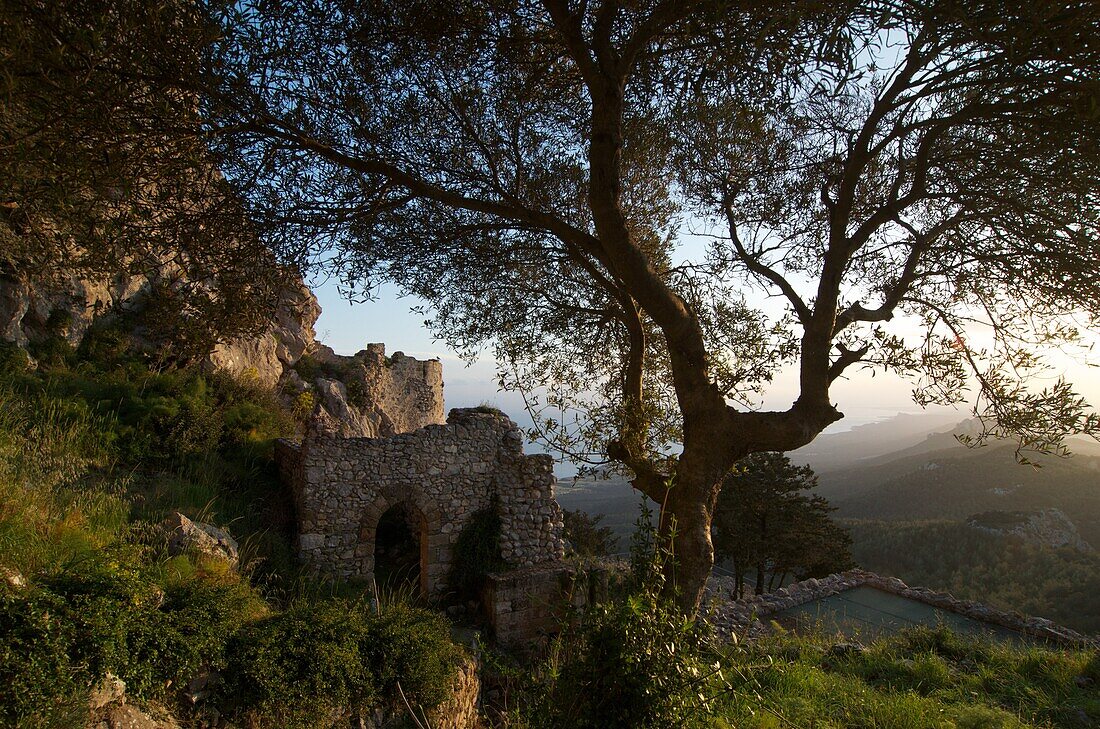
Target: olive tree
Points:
(529, 168)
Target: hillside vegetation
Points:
(95, 450)
(953, 482)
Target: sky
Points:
(862, 397)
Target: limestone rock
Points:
(269, 356)
(185, 536)
(377, 396)
(67, 305)
(1047, 528)
(344, 419)
(109, 690)
(12, 578)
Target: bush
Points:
(584, 535)
(412, 646)
(319, 659)
(13, 360)
(41, 682)
(476, 554)
(633, 663)
(104, 615)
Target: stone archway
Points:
(403, 529)
(400, 548)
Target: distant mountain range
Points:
(939, 478)
(850, 447)
(904, 468)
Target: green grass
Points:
(93, 454)
(922, 678)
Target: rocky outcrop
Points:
(32, 309)
(270, 356)
(367, 395)
(370, 395)
(108, 709)
(1048, 528)
(186, 536)
(67, 305)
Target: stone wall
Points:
(442, 474)
(749, 616)
(523, 605)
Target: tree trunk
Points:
(687, 518)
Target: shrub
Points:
(635, 661)
(303, 405)
(476, 553)
(106, 344)
(191, 630)
(41, 682)
(291, 667)
(319, 659)
(13, 360)
(632, 663)
(585, 536)
(412, 646)
(104, 615)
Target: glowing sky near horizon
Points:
(348, 327)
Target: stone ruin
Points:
(425, 478)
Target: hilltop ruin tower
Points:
(413, 474)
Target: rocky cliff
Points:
(364, 395)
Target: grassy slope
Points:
(95, 449)
(924, 678)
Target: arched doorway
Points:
(401, 549)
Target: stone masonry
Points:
(442, 474)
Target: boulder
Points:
(12, 578)
(186, 536)
(111, 689)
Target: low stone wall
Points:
(524, 605)
(460, 711)
(746, 618)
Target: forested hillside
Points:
(907, 511)
(954, 483)
(1062, 585)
